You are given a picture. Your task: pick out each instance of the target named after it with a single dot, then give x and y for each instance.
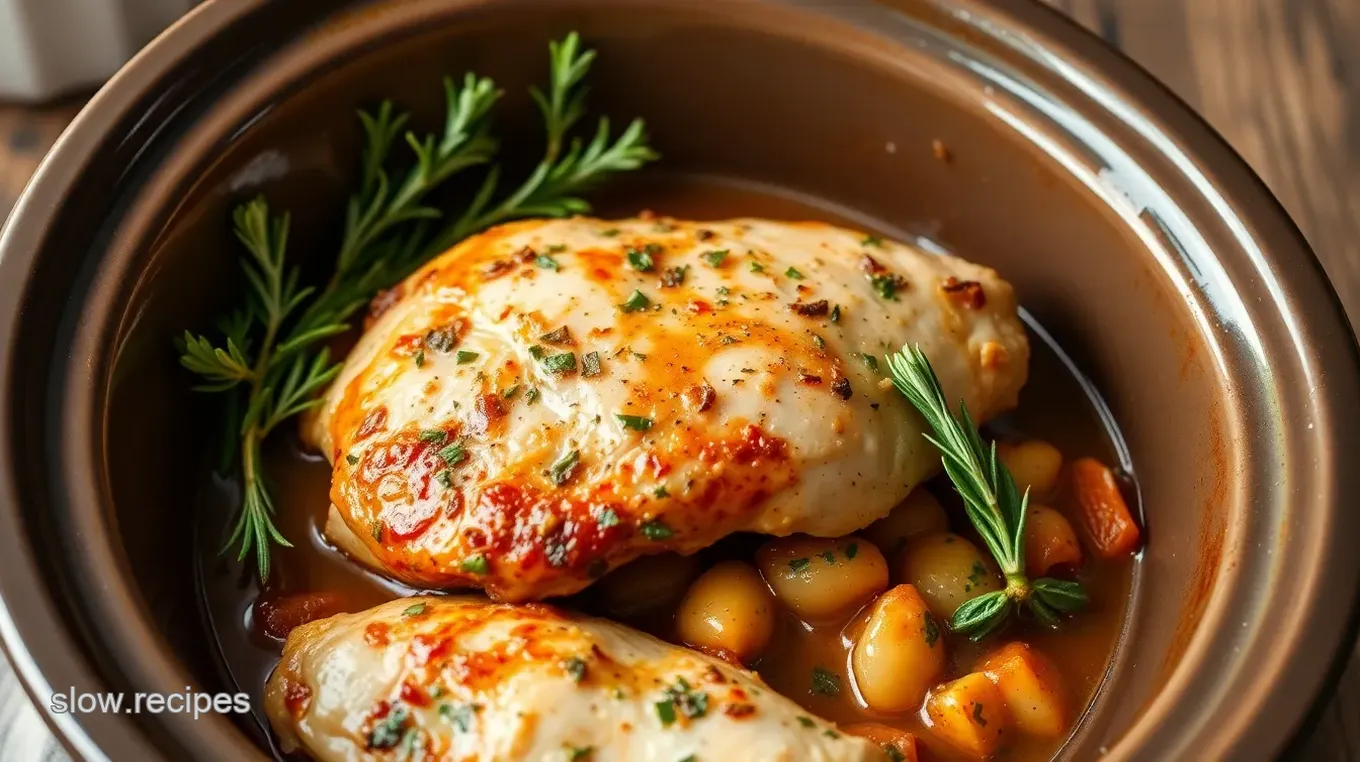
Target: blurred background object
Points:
(1279, 79)
(50, 47)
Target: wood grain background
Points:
(1279, 78)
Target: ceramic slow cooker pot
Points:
(1132, 233)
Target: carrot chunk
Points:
(1102, 511)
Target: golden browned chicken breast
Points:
(457, 678)
(553, 398)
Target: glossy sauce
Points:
(1055, 406)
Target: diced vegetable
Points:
(1032, 687)
(1049, 541)
(1101, 510)
(947, 570)
(1034, 463)
(900, 653)
(919, 514)
(899, 745)
(969, 714)
(823, 580)
(727, 612)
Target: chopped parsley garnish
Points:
(689, 702)
(715, 257)
(590, 364)
(931, 630)
(546, 262)
(800, 565)
(793, 273)
(825, 683)
(836, 314)
(829, 556)
(453, 454)
(576, 667)
(607, 518)
(634, 422)
(561, 471)
(829, 733)
(660, 492)
(757, 267)
(654, 529)
(641, 260)
(885, 285)
(851, 551)
(819, 341)
(531, 396)
(388, 732)
(433, 435)
(806, 722)
(459, 716)
(351, 459)
(872, 240)
(636, 301)
(723, 291)
(510, 393)
(536, 352)
(559, 335)
(610, 232)
(465, 357)
(665, 711)
(414, 609)
(560, 363)
(444, 478)
(674, 276)
(475, 564)
(420, 358)
(870, 361)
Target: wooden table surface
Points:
(1279, 78)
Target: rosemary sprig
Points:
(993, 503)
(551, 190)
(269, 359)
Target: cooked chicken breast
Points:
(445, 678)
(553, 398)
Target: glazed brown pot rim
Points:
(40, 641)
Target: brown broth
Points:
(1055, 406)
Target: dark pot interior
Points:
(1131, 234)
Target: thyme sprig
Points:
(994, 505)
(268, 357)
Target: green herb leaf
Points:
(800, 565)
(640, 260)
(453, 454)
(851, 551)
(560, 363)
(414, 609)
(634, 422)
(351, 459)
(793, 273)
(673, 277)
(475, 564)
(757, 267)
(465, 357)
(665, 711)
(825, 682)
(561, 471)
(872, 240)
(433, 435)
(885, 285)
(558, 335)
(715, 257)
(806, 722)
(930, 629)
(636, 301)
(836, 314)
(655, 529)
(575, 666)
(547, 263)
